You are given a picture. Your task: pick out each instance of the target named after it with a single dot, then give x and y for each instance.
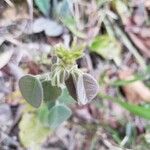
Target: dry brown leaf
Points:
(136, 92)
(144, 32)
(140, 43)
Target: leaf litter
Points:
(26, 43)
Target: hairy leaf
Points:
(82, 88)
(51, 93)
(71, 86)
(31, 90)
(87, 88)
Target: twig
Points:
(30, 5)
(126, 41)
(9, 3)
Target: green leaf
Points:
(135, 109)
(125, 82)
(32, 132)
(43, 5)
(64, 12)
(31, 90)
(70, 23)
(58, 114)
(107, 47)
(43, 113)
(51, 93)
(65, 98)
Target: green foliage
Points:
(65, 13)
(66, 64)
(69, 56)
(71, 24)
(31, 89)
(51, 93)
(107, 47)
(58, 114)
(135, 109)
(65, 98)
(62, 10)
(48, 87)
(43, 5)
(32, 132)
(53, 117)
(42, 114)
(58, 75)
(37, 124)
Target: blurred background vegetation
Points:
(116, 35)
